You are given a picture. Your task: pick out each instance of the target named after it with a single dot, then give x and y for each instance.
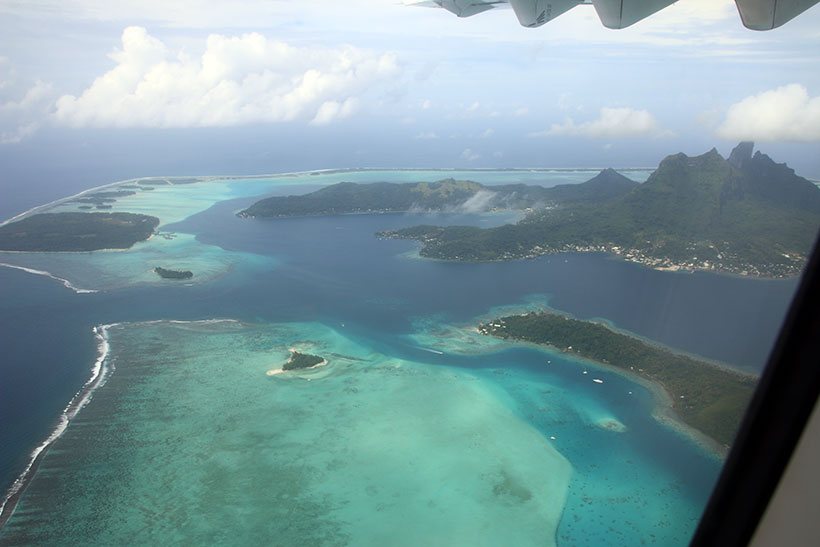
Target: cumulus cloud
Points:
(487, 133)
(236, 80)
(787, 113)
(469, 155)
(611, 122)
(335, 110)
(21, 118)
(426, 136)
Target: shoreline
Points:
(384, 212)
(156, 281)
(683, 269)
(278, 371)
(544, 307)
(714, 363)
(66, 283)
(608, 254)
(59, 201)
(100, 372)
(663, 407)
(675, 269)
(663, 410)
(328, 171)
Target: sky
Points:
(93, 91)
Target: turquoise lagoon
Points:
(418, 431)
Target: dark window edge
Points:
(774, 422)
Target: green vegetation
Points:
(380, 197)
(100, 199)
(444, 195)
(746, 215)
(302, 360)
(113, 194)
(606, 185)
(76, 231)
(173, 274)
(710, 399)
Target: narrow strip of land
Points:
(706, 397)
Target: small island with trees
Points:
(705, 396)
(173, 274)
(302, 360)
(76, 232)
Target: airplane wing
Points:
(769, 14)
(534, 13)
(467, 8)
(618, 14)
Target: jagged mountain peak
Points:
(741, 154)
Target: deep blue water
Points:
(333, 269)
(335, 263)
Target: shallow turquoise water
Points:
(191, 441)
(417, 430)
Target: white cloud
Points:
(21, 119)
(426, 104)
(237, 80)
(334, 110)
(6, 72)
(478, 202)
(469, 155)
(426, 136)
(520, 112)
(19, 133)
(487, 133)
(787, 113)
(611, 122)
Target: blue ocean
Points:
(415, 424)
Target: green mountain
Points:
(606, 185)
(747, 215)
(443, 195)
(379, 197)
